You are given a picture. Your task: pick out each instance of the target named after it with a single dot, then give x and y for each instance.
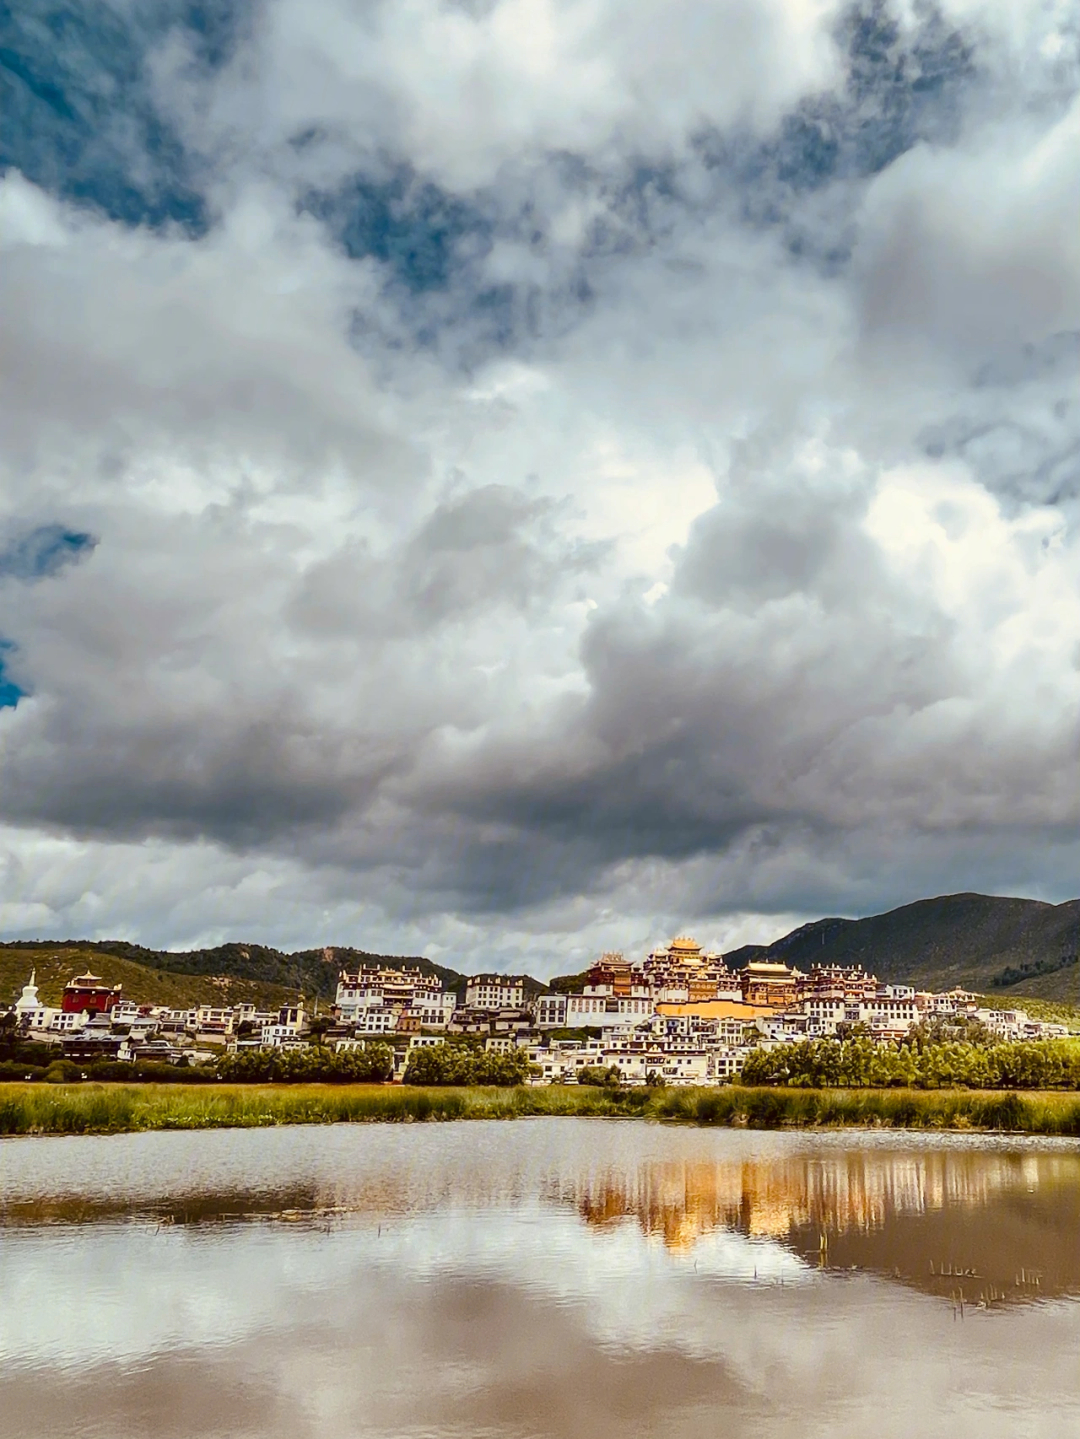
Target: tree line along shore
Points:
(101, 1108)
(926, 1060)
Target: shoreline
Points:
(89, 1108)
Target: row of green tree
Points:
(461, 1061)
(108, 1071)
(1017, 973)
(374, 1064)
(438, 1064)
(860, 1063)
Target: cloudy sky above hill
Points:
(506, 478)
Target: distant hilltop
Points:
(233, 972)
(1013, 948)
(679, 1016)
(1009, 947)
(227, 972)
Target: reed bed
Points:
(983, 1110)
(89, 1108)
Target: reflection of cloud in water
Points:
(319, 1342)
(550, 1280)
(905, 1206)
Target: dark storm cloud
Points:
(789, 693)
(476, 552)
(246, 784)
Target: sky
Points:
(508, 479)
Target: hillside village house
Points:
(287, 1030)
(582, 1011)
(681, 1016)
(495, 991)
(374, 999)
(85, 994)
(215, 1019)
(551, 1011)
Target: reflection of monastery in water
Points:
(1005, 1226)
(771, 1197)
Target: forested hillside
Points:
(1006, 948)
(57, 963)
(254, 972)
(1002, 947)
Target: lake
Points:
(550, 1277)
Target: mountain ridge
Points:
(312, 972)
(992, 944)
(997, 945)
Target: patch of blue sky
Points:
(901, 89)
(432, 245)
(10, 692)
(43, 551)
(80, 119)
(420, 232)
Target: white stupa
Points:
(28, 1002)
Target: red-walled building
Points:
(86, 991)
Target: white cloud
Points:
(462, 90)
(974, 253)
(690, 542)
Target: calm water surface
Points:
(550, 1277)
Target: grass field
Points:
(119, 1108)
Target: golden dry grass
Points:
(90, 1108)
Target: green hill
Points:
(57, 963)
(1005, 948)
(228, 973)
(311, 972)
(1008, 949)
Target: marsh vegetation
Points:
(90, 1108)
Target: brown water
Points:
(551, 1277)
